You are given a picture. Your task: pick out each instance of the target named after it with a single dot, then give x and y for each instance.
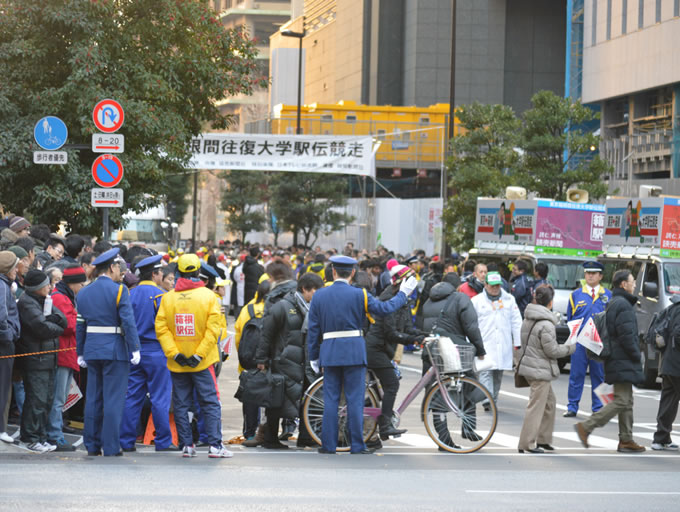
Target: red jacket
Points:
(67, 358)
(467, 290)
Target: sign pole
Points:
(105, 218)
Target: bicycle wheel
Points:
(312, 413)
(467, 427)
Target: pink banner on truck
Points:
(574, 229)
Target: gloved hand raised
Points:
(181, 360)
(136, 357)
(194, 360)
(408, 286)
(81, 362)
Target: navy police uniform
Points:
(106, 334)
(151, 375)
(583, 305)
(335, 321)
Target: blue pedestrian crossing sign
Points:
(50, 133)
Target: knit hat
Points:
(35, 279)
(74, 274)
(399, 272)
(390, 265)
(19, 223)
(19, 251)
(8, 260)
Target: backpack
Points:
(659, 326)
(250, 338)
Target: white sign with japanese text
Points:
(107, 197)
(328, 154)
(50, 157)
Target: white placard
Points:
(108, 143)
(50, 157)
(107, 197)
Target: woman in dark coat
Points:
(282, 349)
(381, 343)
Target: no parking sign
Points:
(107, 171)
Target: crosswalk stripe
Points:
(596, 441)
(415, 440)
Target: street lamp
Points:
(299, 35)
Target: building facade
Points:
(631, 69)
(398, 52)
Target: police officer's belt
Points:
(97, 329)
(341, 334)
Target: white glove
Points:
(81, 362)
(315, 365)
(136, 357)
(408, 286)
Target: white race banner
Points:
(327, 154)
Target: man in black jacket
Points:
(40, 331)
(622, 368)
(252, 271)
(670, 389)
(282, 349)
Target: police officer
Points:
(106, 335)
(336, 317)
(583, 303)
(151, 375)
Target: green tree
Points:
(481, 160)
(177, 196)
(308, 204)
(557, 140)
(246, 191)
(166, 61)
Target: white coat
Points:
(500, 323)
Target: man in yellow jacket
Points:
(187, 326)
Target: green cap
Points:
(493, 278)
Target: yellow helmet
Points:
(263, 277)
(180, 251)
(188, 263)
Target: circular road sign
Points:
(50, 133)
(107, 171)
(108, 116)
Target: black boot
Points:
(387, 429)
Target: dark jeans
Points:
(5, 390)
(251, 419)
(390, 385)
(668, 409)
(272, 432)
(183, 385)
(39, 386)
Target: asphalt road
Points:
(408, 473)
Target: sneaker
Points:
(49, 447)
(37, 448)
(63, 445)
(219, 452)
(189, 451)
(630, 447)
(4, 436)
(671, 447)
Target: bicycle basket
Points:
(452, 358)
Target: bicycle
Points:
(449, 409)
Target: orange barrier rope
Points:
(38, 353)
